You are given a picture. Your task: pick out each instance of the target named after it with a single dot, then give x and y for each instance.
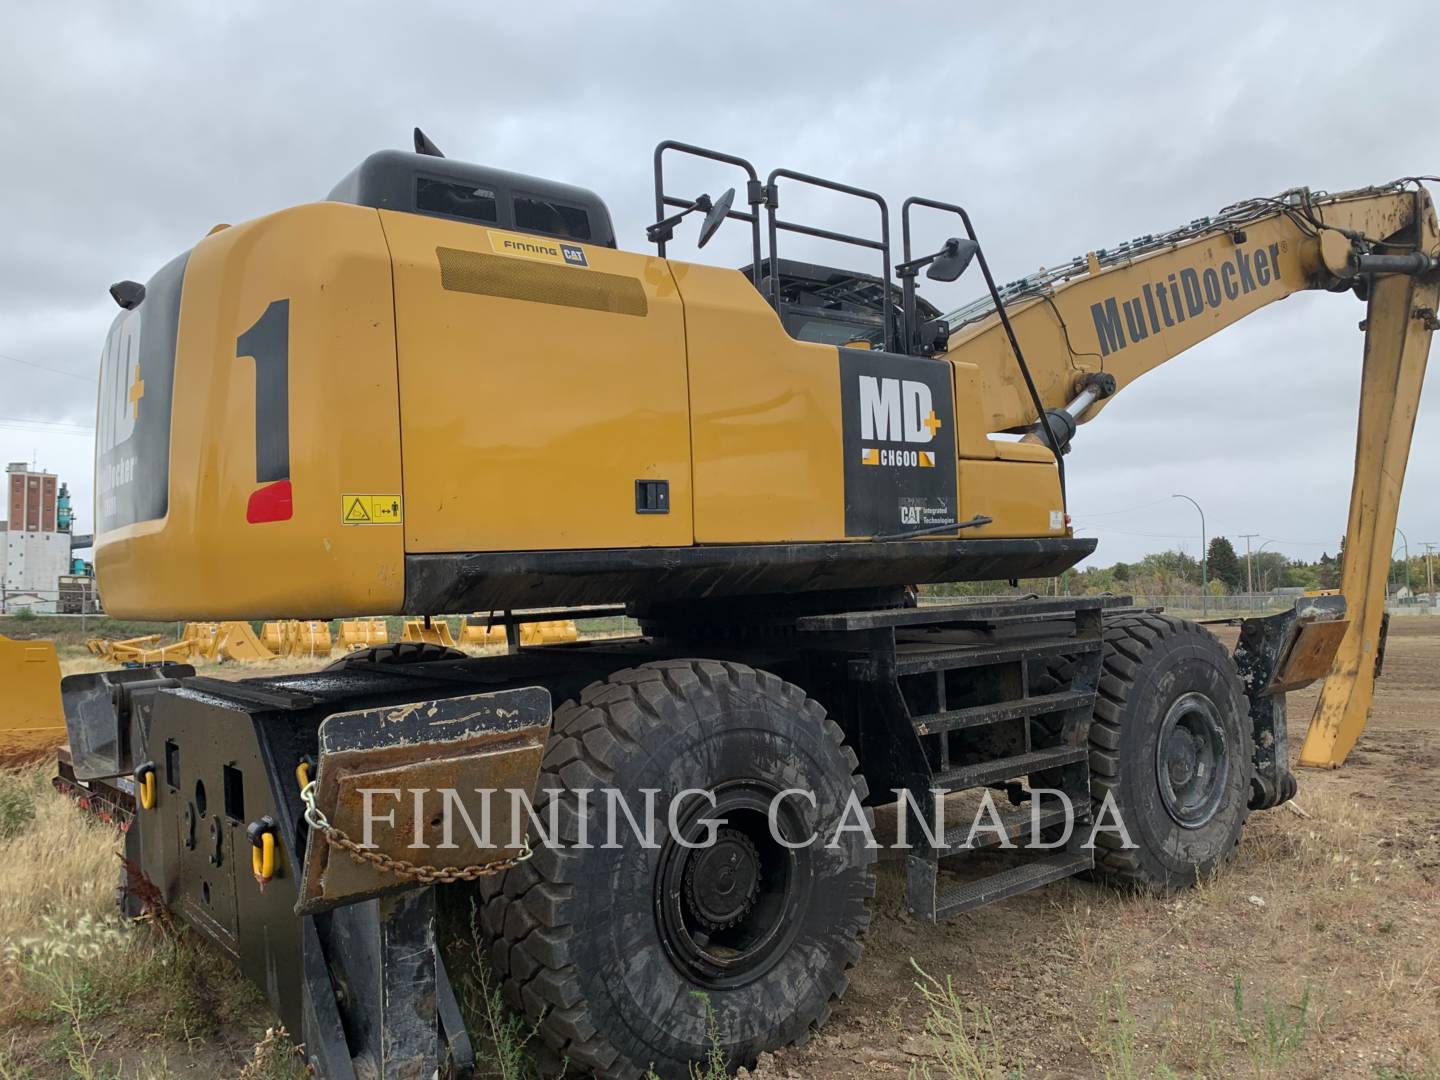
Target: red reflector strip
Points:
(270, 503)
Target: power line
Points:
(1302, 543)
(1116, 513)
(31, 423)
(1147, 536)
(46, 367)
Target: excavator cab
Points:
(824, 304)
(424, 183)
(830, 306)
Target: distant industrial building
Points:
(37, 536)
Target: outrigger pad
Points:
(1308, 649)
(97, 715)
(425, 766)
(1276, 654)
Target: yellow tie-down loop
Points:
(303, 773)
(145, 784)
(262, 850)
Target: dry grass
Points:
(63, 866)
(84, 993)
(1313, 953)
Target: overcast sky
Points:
(130, 129)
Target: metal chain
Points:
(401, 868)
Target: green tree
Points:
(1163, 571)
(1271, 570)
(1327, 572)
(1225, 564)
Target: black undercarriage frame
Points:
(935, 700)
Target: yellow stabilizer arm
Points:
(1399, 321)
(1122, 313)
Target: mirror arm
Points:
(906, 273)
(914, 266)
(664, 229)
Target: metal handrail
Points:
(754, 193)
(917, 200)
(772, 204)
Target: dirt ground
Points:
(1335, 903)
(1315, 953)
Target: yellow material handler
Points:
(758, 465)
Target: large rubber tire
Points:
(396, 652)
(576, 936)
(1150, 663)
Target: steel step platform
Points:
(978, 715)
(919, 658)
(1015, 824)
(958, 897)
(1008, 768)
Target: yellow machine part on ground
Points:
(238, 641)
(477, 630)
(145, 649)
(362, 634)
(272, 636)
(437, 633)
(296, 638)
(307, 638)
(203, 635)
(225, 641)
(31, 719)
(551, 632)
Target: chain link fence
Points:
(1196, 606)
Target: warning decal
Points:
(371, 510)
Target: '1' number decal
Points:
(268, 344)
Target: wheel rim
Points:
(1191, 762)
(727, 912)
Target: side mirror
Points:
(715, 216)
(953, 259)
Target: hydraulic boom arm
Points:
(1095, 325)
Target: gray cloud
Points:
(130, 130)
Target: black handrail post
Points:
(1050, 439)
(753, 193)
(772, 202)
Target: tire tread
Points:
(527, 915)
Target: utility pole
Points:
(1249, 575)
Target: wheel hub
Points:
(728, 909)
(1192, 765)
(722, 882)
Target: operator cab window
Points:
(830, 306)
(551, 218)
(455, 200)
(830, 331)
